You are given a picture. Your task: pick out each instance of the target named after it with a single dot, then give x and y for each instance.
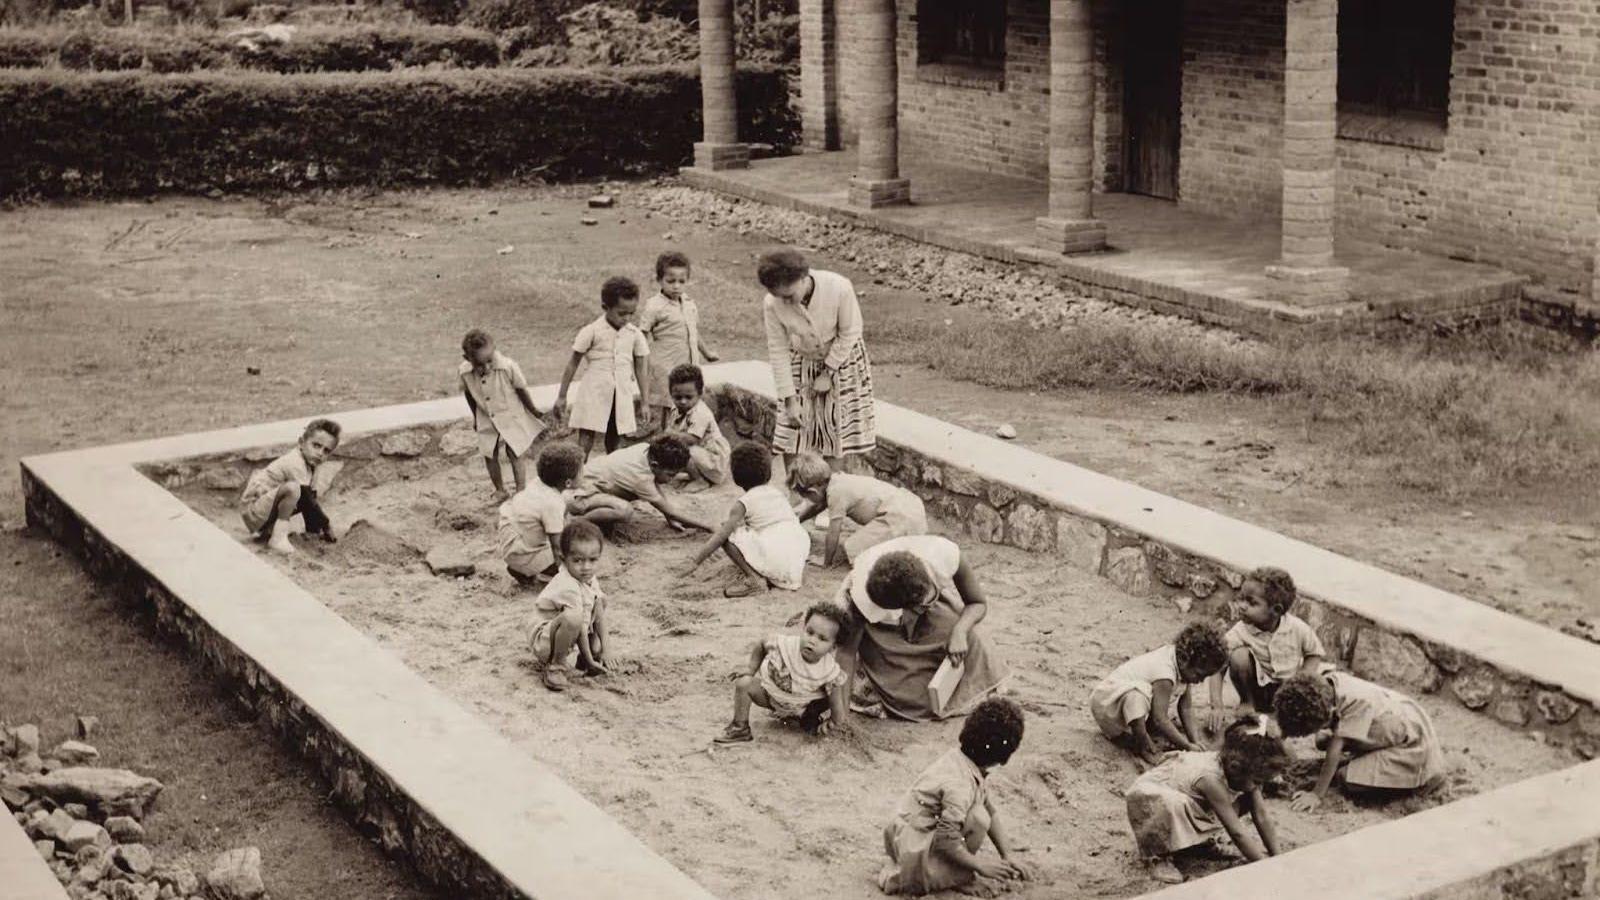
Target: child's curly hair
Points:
(809, 471)
(781, 268)
(1277, 586)
(1201, 648)
(475, 340)
(1303, 704)
(327, 426)
(897, 580)
(668, 452)
(992, 733)
(687, 374)
(1251, 755)
(617, 289)
(750, 464)
(831, 611)
(560, 463)
(672, 259)
(580, 531)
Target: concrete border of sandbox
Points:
(23, 871)
(404, 760)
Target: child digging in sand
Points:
(941, 823)
(884, 511)
(690, 419)
(1186, 800)
(761, 534)
(572, 610)
(609, 401)
(502, 411)
(636, 472)
(287, 487)
(1267, 646)
(1381, 741)
(1139, 696)
(532, 520)
(796, 676)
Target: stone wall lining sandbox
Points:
(440, 788)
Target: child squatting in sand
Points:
(796, 676)
(1135, 703)
(1267, 646)
(571, 610)
(288, 486)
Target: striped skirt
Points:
(838, 423)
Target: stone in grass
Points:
(134, 858)
(181, 880)
(602, 201)
(405, 444)
(236, 875)
(86, 725)
(84, 834)
(1007, 432)
(125, 829)
(75, 753)
(449, 561)
(589, 220)
(117, 791)
(24, 740)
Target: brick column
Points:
(819, 76)
(719, 104)
(877, 181)
(1306, 271)
(1070, 226)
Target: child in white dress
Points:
(883, 510)
(761, 534)
(795, 676)
(1135, 703)
(689, 418)
(502, 410)
(288, 486)
(610, 400)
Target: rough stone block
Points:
(986, 524)
(458, 442)
(1082, 542)
(1393, 660)
(406, 444)
(1128, 569)
(1031, 528)
(960, 481)
(1000, 496)
(1555, 706)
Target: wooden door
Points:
(1153, 101)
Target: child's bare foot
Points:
(1163, 870)
(735, 733)
(279, 541)
(555, 679)
(745, 587)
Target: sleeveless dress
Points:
(772, 539)
(1167, 810)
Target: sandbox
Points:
(470, 800)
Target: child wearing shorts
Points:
(571, 623)
(287, 487)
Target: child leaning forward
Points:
(796, 676)
(287, 487)
(1135, 703)
(761, 535)
(571, 623)
(882, 510)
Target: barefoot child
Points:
(884, 511)
(288, 487)
(608, 401)
(1267, 645)
(941, 823)
(1187, 799)
(1138, 697)
(672, 323)
(1381, 739)
(795, 676)
(612, 482)
(690, 419)
(761, 534)
(572, 610)
(502, 411)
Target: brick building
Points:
(1467, 129)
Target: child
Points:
(612, 482)
(288, 487)
(1182, 802)
(690, 419)
(502, 411)
(672, 323)
(1267, 645)
(608, 398)
(884, 511)
(1382, 739)
(1138, 696)
(940, 825)
(532, 520)
(761, 534)
(572, 610)
(795, 676)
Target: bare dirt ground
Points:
(755, 821)
(131, 320)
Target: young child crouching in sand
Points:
(761, 534)
(690, 419)
(1267, 646)
(502, 411)
(1137, 698)
(941, 823)
(532, 520)
(1381, 739)
(287, 487)
(612, 482)
(796, 676)
(572, 610)
(884, 511)
(1184, 801)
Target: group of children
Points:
(551, 536)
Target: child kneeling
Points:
(1139, 696)
(795, 676)
(761, 534)
(287, 487)
(571, 610)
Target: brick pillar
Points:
(1070, 226)
(877, 181)
(819, 76)
(1306, 271)
(719, 104)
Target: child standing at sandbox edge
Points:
(883, 510)
(609, 402)
(943, 820)
(502, 411)
(1138, 697)
(287, 487)
(690, 419)
(796, 676)
(571, 610)
(1267, 646)
(672, 323)
(761, 535)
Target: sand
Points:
(788, 815)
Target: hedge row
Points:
(72, 134)
(321, 49)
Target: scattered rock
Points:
(84, 834)
(75, 810)
(406, 444)
(458, 442)
(1006, 431)
(1201, 586)
(135, 858)
(13, 795)
(53, 826)
(223, 479)
(236, 875)
(1582, 535)
(47, 849)
(1128, 569)
(24, 740)
(182, 881)
(1555, 706)
(451, 561)
(94, 864)
(117, 791)
(602, 201)
(125, 830)
(1031, 528)
(75, 753)
(1510, 710)
(589, 220)
(29, 764)
(1390, 659)
(507, 250)
(669, 236)
(1000, 496)
(1081, 542)
(1448, 659)
(252, 370)
(1474, 689)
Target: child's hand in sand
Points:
(1306, 801)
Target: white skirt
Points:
(778, 552)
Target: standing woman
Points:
(819, 363)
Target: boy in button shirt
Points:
(1267, 646)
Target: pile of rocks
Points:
(86, 821)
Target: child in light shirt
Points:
(1134, 705)
(635, 472)
(672, 323)
(795, 676)
(288, 486)
(882, 510)
(1267, 646)
(570, 622)
(689, 418)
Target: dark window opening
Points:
(962, 33)
(1394, 57)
